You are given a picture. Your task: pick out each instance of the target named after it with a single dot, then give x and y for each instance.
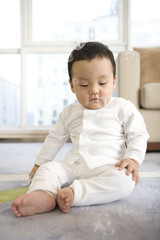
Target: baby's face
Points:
(93, 82)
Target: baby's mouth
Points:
(94, 99)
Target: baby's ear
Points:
(71, 85)
(114, 82)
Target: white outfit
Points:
(100, 138)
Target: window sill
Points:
(25, 134)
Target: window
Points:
(54, 113)
(10, 90)
(9, 24)
(36, 39)
(73, 20)
(45, 87)
(145, 23)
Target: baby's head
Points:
(92, 73)
(88, 51)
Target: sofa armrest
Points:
(129, 76)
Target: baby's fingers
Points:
(31, 175)
(118, 164)
(135, 176)
(129, 169)
(123, 165)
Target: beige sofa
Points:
(139, 82)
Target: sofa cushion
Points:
(150, 96)
(150, 64)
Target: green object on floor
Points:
(11, 194)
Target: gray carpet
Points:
(134, 218)
(16, 158)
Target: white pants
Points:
(91, 186)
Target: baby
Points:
(108, 139)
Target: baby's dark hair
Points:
(88, 51)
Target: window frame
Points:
(28, 46)
(124, 21)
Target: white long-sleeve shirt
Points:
(99, 137)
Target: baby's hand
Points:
(132, 167)
(33, 171)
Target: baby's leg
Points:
(33, 203)
(43, 190)
(102, 187)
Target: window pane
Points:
(10, 23)
(145, 23)
(48, 89)
(9, 90)
(75, 20)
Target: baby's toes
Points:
(66, 210)
(67, 202)
(67, 199)
(17, 213)
(14, 209)
(67, 205)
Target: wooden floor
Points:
(153, 146)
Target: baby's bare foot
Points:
(33, 203)
(65, 198)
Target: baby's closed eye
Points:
(84, 85)
(103, 83)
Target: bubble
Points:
(103, 226)
(156, 191)
(126, 212)
(84, 210)
(131, 210)
(97, 103)
(78, 47)
(75, 81)
(130, 56)
(99, 226)
(112, 232)
(70, 59)
(108, 223)
(102, 102)
(116, 7)
(24, 177)
(120, 210)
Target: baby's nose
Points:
(93, 89)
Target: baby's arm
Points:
(136, 140)
(58, 135)
(132, 167)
